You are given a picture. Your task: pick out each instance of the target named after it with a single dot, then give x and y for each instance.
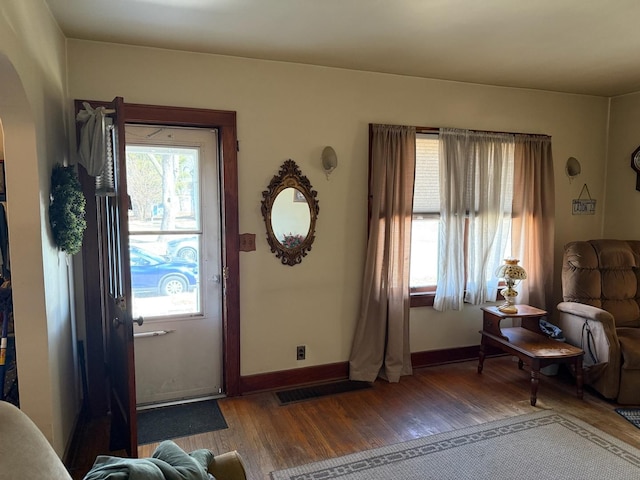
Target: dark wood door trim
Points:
(225, 123)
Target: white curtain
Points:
(93, 139)
(95, 149)
(476, 178)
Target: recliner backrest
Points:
(604, 273)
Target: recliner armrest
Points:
(24, 450)
(228, 466)
(587, 312)
(592, 329)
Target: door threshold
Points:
(149, 406)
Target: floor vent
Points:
(306, 393)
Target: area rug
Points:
(539, 446)
(631, 414)
(176, 421)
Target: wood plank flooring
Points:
(433, 400)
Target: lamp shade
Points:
(511, 270)
(512, 274)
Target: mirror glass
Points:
(290, 210)
(290, 217)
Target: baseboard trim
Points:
(430, 358)
(262, 382)
(295, 377)
(73, 442)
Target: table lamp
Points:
(512, 273)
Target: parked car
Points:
(184, 247)
(152, 273)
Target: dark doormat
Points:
(163, 423)
(315, 391)
(631, 414)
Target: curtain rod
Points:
(437, 129)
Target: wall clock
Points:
(635, 164)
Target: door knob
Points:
(117, 322)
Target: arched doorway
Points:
(44, 320)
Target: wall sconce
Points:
(329, 160)
(572, 168)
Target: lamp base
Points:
(508, 308)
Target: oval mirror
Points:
(290, 217)
(290, 209)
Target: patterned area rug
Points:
(631, 414)
(539, 446)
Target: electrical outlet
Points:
(301, 352)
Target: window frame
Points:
(424, 296)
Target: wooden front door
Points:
(114, 249)
(111, 205)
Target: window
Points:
(164, 217)
(426, 217)
(425, 228)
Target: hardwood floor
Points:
(435, 399)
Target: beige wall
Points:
(284, 111)
(33, 116)
(293, 111)
(623, 200)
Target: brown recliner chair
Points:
(601, 313)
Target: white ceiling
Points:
(580, 46)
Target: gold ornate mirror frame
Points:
(290, 251)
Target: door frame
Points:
(225, 123)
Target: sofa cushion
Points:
(24, 450)
(630, 346)
(581, 280)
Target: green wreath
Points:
(67, 209)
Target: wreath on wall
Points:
(67, 209)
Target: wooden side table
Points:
(528, 343)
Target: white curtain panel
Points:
(476, 190)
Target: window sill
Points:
(422, 299)
(425, 299)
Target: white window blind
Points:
(426, 190)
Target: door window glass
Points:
(165, 229)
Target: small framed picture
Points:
(3, 189)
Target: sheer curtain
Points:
(381, 340)
(534, 218)
(476, 171)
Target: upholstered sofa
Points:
(601, 313)
(26, 453)
(24, 450)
